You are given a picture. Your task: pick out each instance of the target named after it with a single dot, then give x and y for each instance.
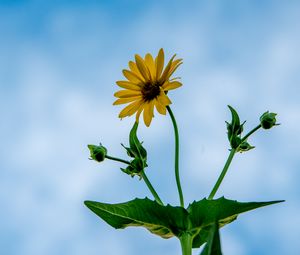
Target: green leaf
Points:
(165, 221)
(168, 221)
(213, 245)
(204, 213)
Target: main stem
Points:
(150, 187)
(176, 156)
(186, 242)
(222, 175)
(144, 177)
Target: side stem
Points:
(222, 175)
(176, 156)
(144, 177)
(150, 187)
(227, 164)
(117, 159)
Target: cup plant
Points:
(148, 81)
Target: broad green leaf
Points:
(213, 245)
(165, 221)
(168, 221)
(205, 212)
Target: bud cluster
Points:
(234, 131)
(137, 152)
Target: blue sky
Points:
(59, 61)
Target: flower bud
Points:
(245, 146)
(268, 120)
(98, 152)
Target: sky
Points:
(59, 61)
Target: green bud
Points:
(137, 152)
(245, 146)
(234, 129)
(128, 170)
(268, 120)
(235, 142)
(98, 152)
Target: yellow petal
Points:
(163, 99)
(135, 70)
(167, 70)
(171, 85)
(130, 109)
(159, 62)
(127, 93)
(149, 61)
(139, 112)
(142, 67)
(148, 113)
(131, 76)
(126, 100)
(160, 108)
(128, 85)
(174, 66)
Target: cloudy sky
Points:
(59, 61)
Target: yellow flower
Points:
(147, 85)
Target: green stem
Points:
(222, 175)
(176, 157)
(186, 242)
(152, 190)
(117, 159)
(250, 133)
(227, 164)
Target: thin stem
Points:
(186, 241)
(152, 190)
(250, 133)
(176, 156)
(227, 164)
(144, 177)
(222, 175)
(117, 159)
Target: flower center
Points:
(150, 91)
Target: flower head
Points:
(147, 85)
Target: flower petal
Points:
(149, 61)
(128, 85)
(176, 63)
(159, 62)
(165, 74)
(127, 93)
(171, 85)
(148, 113)
(142, 67)
(126, 100)
(131, 76)
(139, 112)
(160, 108)
(130, 109)
(163, 99)
(135, 70)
